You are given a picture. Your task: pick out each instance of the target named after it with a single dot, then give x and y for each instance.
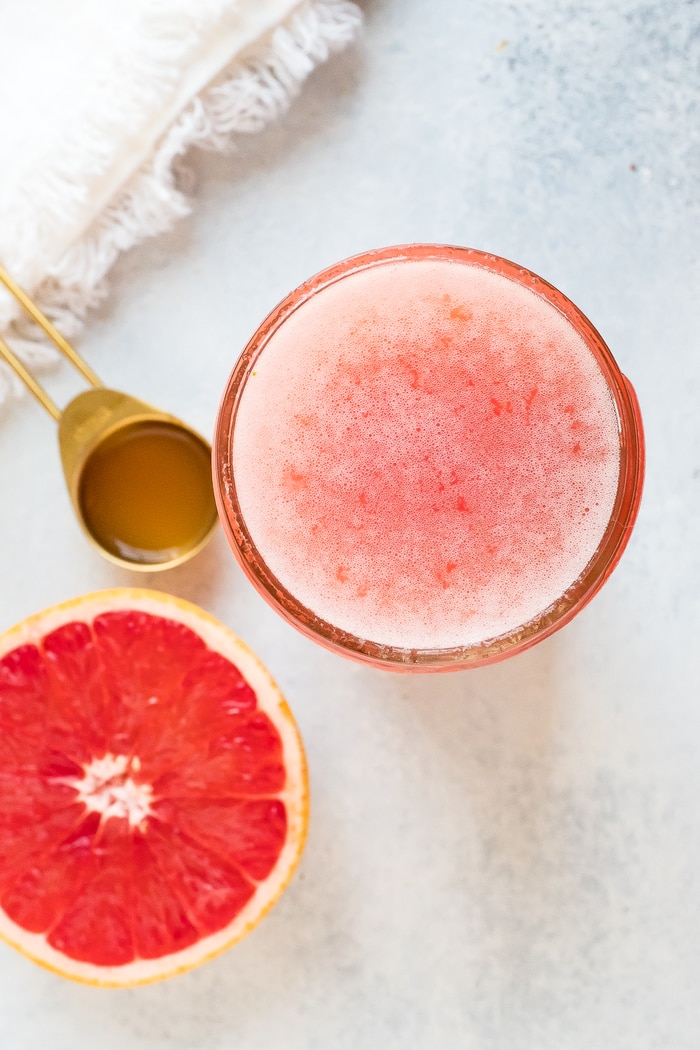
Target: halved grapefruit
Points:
(153, 788)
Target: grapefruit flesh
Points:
(153, 788)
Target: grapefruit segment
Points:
(211, 889)
(46, 883)
(97, 926)
(244, 759)
(251, 832)
(153, 789)
(79, 717)
(35, 815)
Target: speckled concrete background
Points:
(503, 859)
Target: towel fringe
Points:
(242, 101)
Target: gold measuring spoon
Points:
(139, 479)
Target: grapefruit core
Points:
(153, 788)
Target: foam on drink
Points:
(426, 454)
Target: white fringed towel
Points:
(98, 99)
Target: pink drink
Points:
(426, 456)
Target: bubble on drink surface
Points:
(429, 454)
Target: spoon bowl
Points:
(139, 479)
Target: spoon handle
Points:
(29, 380)
(54, 335)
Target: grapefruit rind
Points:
(295, 794)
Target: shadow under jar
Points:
(427, 459)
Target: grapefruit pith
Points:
(153, 788)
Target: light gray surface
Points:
(502, 858)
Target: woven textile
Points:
(98, 100)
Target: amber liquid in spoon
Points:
(146, 491)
